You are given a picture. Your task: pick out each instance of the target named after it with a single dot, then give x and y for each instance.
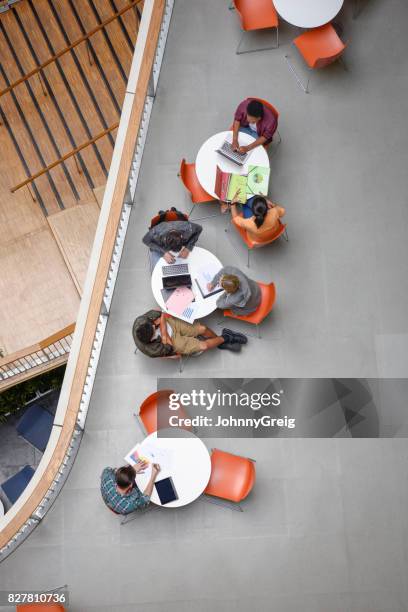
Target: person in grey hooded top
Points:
(171, 238)
(241, 294)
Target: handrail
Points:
(32, 178)
(83, 38)
(77, 386)
(40, 356)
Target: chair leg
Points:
(191, 211)
(180, 364)
(238, 52)
(356, 8)
(248, 258)
(285, 235)
(343, 63)
(222, 503)
(231, 6)
(304, 87)
(258, 331)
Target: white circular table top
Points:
(199, 258)
(1, 508)
(184, 458)
(308, 13)
(207, 159)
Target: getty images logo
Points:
(207, 401)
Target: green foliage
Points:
(14, 398)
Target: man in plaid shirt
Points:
(120, 491)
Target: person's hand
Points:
(140, 466)
(235, 144)
(184, 253)
(169, 258)
(209, 287)
(243, 149)
(155, 469)
(235, 198)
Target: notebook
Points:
(166, 490)
(205, 276)
(227, 184)
(257, 180)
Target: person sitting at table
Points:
(160, 335)
(120, 491)
(259, 215)
(255, 119)
(171, 239)
(241, 294)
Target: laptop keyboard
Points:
(231, 154)
(175, 269)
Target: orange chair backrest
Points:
(265, 238)
(268, 105)
(268, 299)
(232, 477)
(268, 236)
(41, 607)
(322, 62)
(149, 409)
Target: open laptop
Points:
(235, 156)
(176, 275)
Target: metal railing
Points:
(44, 352)
(117, 204)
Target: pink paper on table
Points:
(179, 299)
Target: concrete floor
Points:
(326, 526)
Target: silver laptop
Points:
(235, 156)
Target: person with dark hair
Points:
(255, 119)
(120, 491)
(157, 334)
(259, 215)
(241, 294)
(171, 239)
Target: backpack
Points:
(168, 215)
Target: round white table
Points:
(308, 13)
(199, 258)
(208, 159)
(1, 509)
(185, 458)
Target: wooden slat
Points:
(64, 157)
(92, 319)
(74, 44)
(67, 331)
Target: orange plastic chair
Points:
(267, 237)
(232, 477)
(41, 607)
(319, 48)
(268, 299)
(190, 180)
(256, 15)
(148, 412)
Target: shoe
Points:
(234, 337)
(227, 346)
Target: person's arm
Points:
(235, 129)
(163, 331)
(149, 487)
(195, 234)
(150, 241)
(258, 142)
(216, 280)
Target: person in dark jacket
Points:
(171, 239)
(241, 294)
(159, 335)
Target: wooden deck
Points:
(45, 243)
